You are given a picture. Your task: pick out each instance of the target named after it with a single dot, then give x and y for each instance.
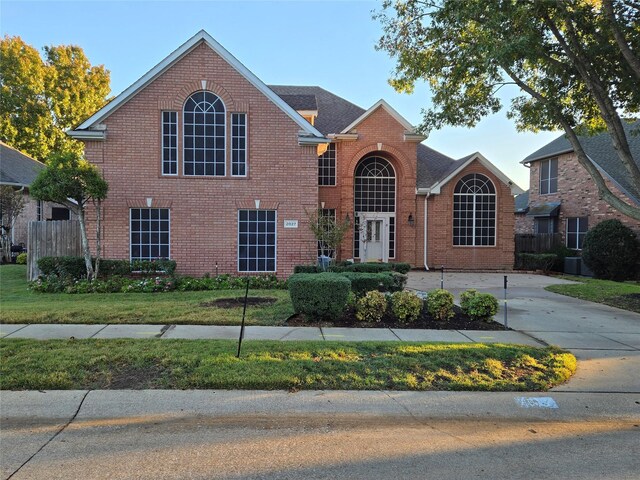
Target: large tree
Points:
(40, 98)
(576, 63)
(71, 181)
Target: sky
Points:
(330, 44)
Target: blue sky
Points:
(329, 44)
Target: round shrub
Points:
(440, 304)
(371, 307)
(479, 306)
(406, 306)
(21, 259)
(612, 251)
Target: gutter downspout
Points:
(426, 197)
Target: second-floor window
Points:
(549, 176)
(327, 167)
(169, 143)
(239, 144)
(204, 135)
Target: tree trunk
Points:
(85, 243)
(98, 205)
(6, 244)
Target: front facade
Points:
(563, 199)
(209, 166)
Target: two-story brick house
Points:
(564, 199)
(213, 168)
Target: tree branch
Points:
(627, 53)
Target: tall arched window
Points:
(204, 135)
(474, 211)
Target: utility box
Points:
(572, 265)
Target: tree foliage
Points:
(576, 63)
(40, 98)
(612, 251)
(71, 181)
(328, 231)
(12, 202)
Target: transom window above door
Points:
(204, 131)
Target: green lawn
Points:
(20, 305)
(625, 295)
(211, 364)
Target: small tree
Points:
(612, 251)
(328, 231)
(71, 181)
(11, 204)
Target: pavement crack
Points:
(164, 330)
(92, 336)
(54, 435)
(424, 422)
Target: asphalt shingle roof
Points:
(335, 114)
(301, 102)
(16, 168)
(522, 202)
(600, 150)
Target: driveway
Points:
(606, 340)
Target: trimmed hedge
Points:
(356, 267)
(612, 251)
(361, 283)
(319, 295)
(74, 267)
(536, 261)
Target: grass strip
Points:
(211, 364)
(20, 305)
(624, 295)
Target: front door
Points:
(374, 238)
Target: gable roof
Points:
(311, 134)
(17, 168)
(457, 166)
(600, 151)
(384, 105)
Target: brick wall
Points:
(578, 194)
(281, 174)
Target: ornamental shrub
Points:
(406, 306)
(478, 306)
(371, 267)
(319, 295)
(306, 269)
(371, 307)
(536, 261)
(440, 304)
(612, 251)
(361, 282)
(21, 259)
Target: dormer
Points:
(305, 105)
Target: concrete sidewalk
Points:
(51, 331)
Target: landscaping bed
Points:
(459, 321)
(212, 364)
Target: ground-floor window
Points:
(256, 240)
(149, 230)
(545, 225)
(576, 230)
(327, 220)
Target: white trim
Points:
(87, 134)
(162, 147)
(131, 259)
(381, 103)
(436, 187)
(275, 251)
(349, 137)
(175, 56)
(246, 144)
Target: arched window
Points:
(474, 211)
(204, 135)
(375, 186)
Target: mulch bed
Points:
(239, 302)
(630, 301)
(460, 321)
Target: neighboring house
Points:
(563, 197)
(209, 166)
(19, 170)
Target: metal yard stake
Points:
(442, 277)
(244, 311)
(506, 323)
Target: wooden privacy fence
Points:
(537, 242)
(52, 239)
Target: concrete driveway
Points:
(606, 340)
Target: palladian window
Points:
(474, 212)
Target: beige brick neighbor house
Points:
(209, 166)
(563, 199)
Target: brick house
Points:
(563, 198)
(19, 170)
(209, 166)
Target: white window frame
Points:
(131, 258)
(335, 166)
(246, 143)
(474, 218)
(224, 136)
(577, 232)
(162, 144)
(275, 252)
